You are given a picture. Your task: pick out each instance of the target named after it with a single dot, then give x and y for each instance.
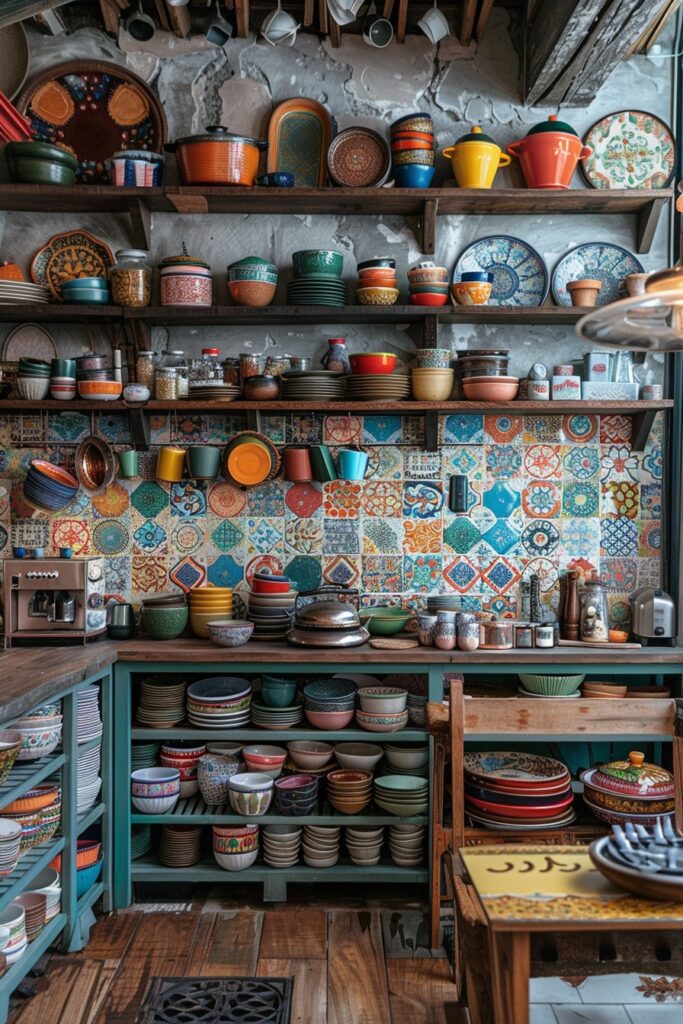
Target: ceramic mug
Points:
(203, 461)
(297, 463)
(279, 27)
(352, 464)
(651, 392)
(128, 463)
(434, 358)
(139, 25)
(378, 32)
(434, 25)
(426, 629)
(219, 31)
(322, 463)
(467, 631)
(171, 464)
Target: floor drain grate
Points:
(217, 1001)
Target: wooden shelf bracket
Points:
(427, 235)
(641, 426)
(141, 221)
(648, 219)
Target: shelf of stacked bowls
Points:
(317, 280)
(512, 791)
(382, 708)
(252, 281)
(161, 704)
(282, 845)
(270, 606)
(48, 486)
(89, 291)
(320, 845)
(630, 790)
(377, 282)
(33, 379)
(402, 795)
(428, 284)
(235, 847)
(94, 379)
(208, 604)
(330, 703)
(279, 705)
(349, 790)
(164, 617)
(155, 790)
(184, 755)
(412, 150)
(364, 844)
(473, 289)
(180, 846)
(483, 376)
(407, 845)
(219, 702)
(63, 379)
(373, 378)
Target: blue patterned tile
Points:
(500, 575)
(267, 499)
(159, 428)
(581, 462)
(540, 537)
(542, 428)
(619, 574)
(503, 461)
(467, 460)
(189, 429)
(382, 536)
(264, 536)
(618, 537)
(580, 536)
(342, 570)
(274, 428)
(385, 464)
(382, 429)
(225, 572)
(422, 465)
(461, 534)
(188, 498)
(114, 427)
(226, 535)
(503, 537)
(383, 573)
(149, 538)
(651, 501)
(463, 429)
(462, 574)
(618, 462)
(422, 500)
(305, 572)
(117, 575)
(68, 426)
(581, 499)
(501, 499)
(188, 536)
(340, 538)
(304, 429)
(653, 462)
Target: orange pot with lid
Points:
(217, 158)
(633, 778)
(549, 153)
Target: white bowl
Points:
(362, 756)
(318, 860)
(310, 753)
(236, 861)
(33, 389)
(405, 757)
(156, 805)
(382, 704)
(250, 782)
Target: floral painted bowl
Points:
(229, 632)
(471, 293)
(255, 803)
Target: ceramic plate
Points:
(95, 109)
(358, 158)
(69, 255)
(299, 136)
(516, 766)
(29, 340)
(600, 260)
(631, 149)
(520, 276)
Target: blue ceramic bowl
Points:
(477, 275)
(86, 878)
(37, 479)
(86, 282)
(330, 690)
(413, 175)
(89, 296)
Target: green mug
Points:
(63, 368)
(128, 462)
(203, 461)
(322, 463)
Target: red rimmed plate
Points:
(521, 813)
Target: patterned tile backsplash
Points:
(545, 493)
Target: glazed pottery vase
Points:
(336, 358)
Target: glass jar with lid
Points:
(145, 366)
(594, 615)
(131, 278)
(176, 359)
(166, 384)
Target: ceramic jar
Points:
(445, 635)
(475, 158)
(337, 358)
(426, 629)
(467, 628)
(185, 281)
(549, 154)
(618, 789)
(214, 773)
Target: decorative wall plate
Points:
(358, 157)
(520, 276)
(29, 340)
(69, 255)
(600, 260)
(94, 109)
(299, 136)
(631, 149)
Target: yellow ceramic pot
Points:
(170, 464)
(475, 158)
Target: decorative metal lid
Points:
(219, 133)
(552, 125)
(634, 777)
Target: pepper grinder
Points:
(535, 598)
(571, 616)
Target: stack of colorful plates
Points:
(140, 841)
(144, 755)
(250, 458)
(444, 603)
(513, 791)
(271, 614)
(89, 720)
(34, 905)
(208, 604)
(394, 386)
(14, 918)
(180, 846)
(215, 391)
(162, 704)
(219, 702)
(277, 718)
(316, 291)
(10, 837)
(13, 293)
(404, 795)
(328, 385)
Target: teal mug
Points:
(128, 463)
(63, 368)
(322, 463)
(203, 461)
(352, 464)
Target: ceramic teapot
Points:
(549, 153)
(475, 158)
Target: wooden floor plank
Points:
(356, 977)
(234, 946)
(309, 999)
(159, 949)
(294, 935)
(422, 992)
(406, 934)
(64, 996)
(201, 944)
(110, 936)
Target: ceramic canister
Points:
(467, 629)
(538, 390)
(426, 629)
(184, 281)
(549, 154)
(171, 464)
(214, 773)
(475, 158)
(445, 636)
(567, 388)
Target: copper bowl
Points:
(95, 464)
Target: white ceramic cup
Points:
(341, 12)
(378, 32)
(435, 25)
(279, 27)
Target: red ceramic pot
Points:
(549, 154)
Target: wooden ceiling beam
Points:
(17, 10)
(242, 18)
(111, 15)
(482, 19)
(178, 20)
(335, 29)
(469, 11)
(402, 21)
(309, 13)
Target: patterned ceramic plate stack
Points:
(144, 755)
(313, 384)
(277, 718)
(89, 721)
(513, 791)
(14, 918)
(180, 846)
(220, 702)
(162, 704)
(395, 386)
(10, 837)
(140, 841)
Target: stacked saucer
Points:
(392, 386)
(364, 844)
(271, 614)
(320, 845)
(14, 918)
(144, 755)
(404, 795)
(89, 720)
(10, 837)
(281, 845)
(407, 845)
(49, 885)
(318, 279)
(220, 702)
(329, 385)
(514, 791)
(162, 704)
(277, 718)
(140, 841)
(88, 781)
(13, 293)
(214, 391)
(180, 846)
(34, 904)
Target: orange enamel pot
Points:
(217, 158)
(549, 154)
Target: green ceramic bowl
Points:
(552, 686)
(40, 163)
(317, 263)
(385, 620)
(165, 623)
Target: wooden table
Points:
(522, 890)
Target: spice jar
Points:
(524, 634)
(251, 364)
(185, 281)
(594, 614)
(145, 364)
(166, 384)
(545, 634)
(175, 359)
(231, 371)
(131, 278)
(496, 635)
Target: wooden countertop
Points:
(31, 676)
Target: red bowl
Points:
(373, 362)
(429, 299)
(422, 136)
(269, 587)
(401, 144)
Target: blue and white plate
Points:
(520, 276)
(600, 260)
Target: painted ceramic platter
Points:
(299, 136)
(602, 261)
(631, 149)
(69, 255)
(522, 768)
(29, 340)
(520, 276)
(94, 109)
(528, 826)
(358, 157)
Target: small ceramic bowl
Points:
(136, 393)
(471, 293)
(230, 632)
(250, 804)
(252, 293)
(164, 623)
(373, 362)
(329, 719)
(413, 175)
(432, 385)
(491, 389)
(390, 700)
(235, 861)
(428, 299)
(317, 263)
(313, 754)
(100, 390)
(261, 388)
(377, 296)
(428, 275)
(361, 756)
(33, 389)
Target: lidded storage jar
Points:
(185, 281)
(131, 278)
(549, 153)
(594, 615)
(619, 790)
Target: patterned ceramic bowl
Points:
(255, 803)
(235, 861)
(377, 296)
(382, 723)
(38, 742)
(214, 774)
(317, 263)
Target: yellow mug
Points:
(475, 159)
(171, 464)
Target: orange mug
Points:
(171, 464)
(297, 463)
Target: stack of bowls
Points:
(403, 795)
(214, 773)
(48, 885)
(407, 758)
(10, 745)
(278, 692)
(407, 845)
(381, 700)
(364, 844)
(320, 845)
(349, 790)
(48, 486)
(377, 283)
(265, 758)
(434, 358)
(88, 779)
(428, 284)
(412, 150)
(13, 933)
(180, 846)
(431, 385)
(92, 291)
(10, 838)
(549, 686)
(491, 389)
(144, 755)
(473, 363)
(268, 717)
(219, 702)
(513, 791)
(330, 703)
(33, 379)
(382, 721)
(317, 280)
(164, 618)
(34, 905)
(271, 611)
(282, 845)
(155, 790)
(235, 848)
(417, 709)
(140, 841)
(40, 734)
(629, 790)
(473, 289)
(184, 755)
(49, 820)
(601, 690)
(87, 877)
(296, 795)
(310, 754)
(252, 281)
(162, 703)
(250, 793)
(208, 604)
(40, 163)
(359, 756)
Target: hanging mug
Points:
(170, 464)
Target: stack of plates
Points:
(13, 293)
(162, 704)
(88, 781)
(219, 702)
(48, 884)
(34, 905)
(512, 791)
(316, 291)
(180, 846)
(89, 721)
(392, 386)
(144, 755)
(271, 614)
(404, 795)
(277, 718)
(140, 841)
(444, 603)
(215, 391)
(14, 918)
(387, 768)
(10, 837)
(321, 845)
(281, 845)
(250, 458)
(328, 385)
(407, 845)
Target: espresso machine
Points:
(54, 598)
